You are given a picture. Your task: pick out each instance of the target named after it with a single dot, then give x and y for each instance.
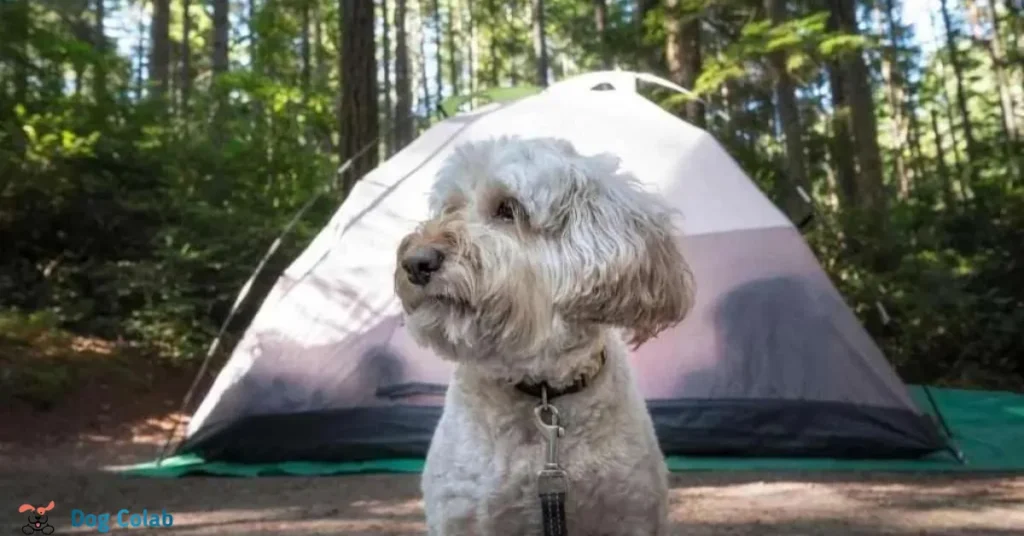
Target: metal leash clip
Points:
(552, 479)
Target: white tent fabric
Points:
(334, 309)
(715, 196)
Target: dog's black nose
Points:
(421, 262)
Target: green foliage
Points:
(951, 284)
(835, 45)
(451, 105)
(805, 40)
(127, 223)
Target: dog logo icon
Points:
(38, 521)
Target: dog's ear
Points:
(26, 508)
(49, 507)
(634, 273)
(655, 290)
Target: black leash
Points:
(552, 480)
(552, 507)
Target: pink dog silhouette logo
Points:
(38, 521)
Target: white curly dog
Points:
(536, 268)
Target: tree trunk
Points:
(947, 103)
(159, 59)
(893, 79)
(958, 159)
(403, 87)
(998, 57)
(99, 76)
(914, 135)
(495, 65)
(841, 144)
(856, 80)
(729, 109)
(474, 51)
(186, 55)
(914, 125)
(511, 51)
(140, 58)
(1013, 8)
(940, 163)
(219, 63)
(79, 71)
(221, 27)
(358, 70)
(254, 52)
(319, 56)
(683, 55)
(1014, 58)
(961, 92)
(511, 47)
(52, 83)
(389, 138)
(22, 13)
(439, 53)
(83, 34)
(453, 64)
(601, 24)
(540, 46)
(305, 49)
(424, 78)
(789, 113)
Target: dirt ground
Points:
(702, 504)
(55, 455)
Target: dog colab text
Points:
(124, 518)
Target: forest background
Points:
(151, 150)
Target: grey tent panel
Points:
(771, 362)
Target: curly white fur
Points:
(548, 256)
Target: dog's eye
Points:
(506, 211)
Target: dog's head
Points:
(530, 245)
(37, 513)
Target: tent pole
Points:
(945, 426)
(187, 399)
(809, 217)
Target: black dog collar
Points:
(535, 389)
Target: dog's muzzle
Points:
(420, 263)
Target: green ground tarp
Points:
(987, 427)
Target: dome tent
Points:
(770, 362)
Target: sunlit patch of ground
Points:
(901, 504)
